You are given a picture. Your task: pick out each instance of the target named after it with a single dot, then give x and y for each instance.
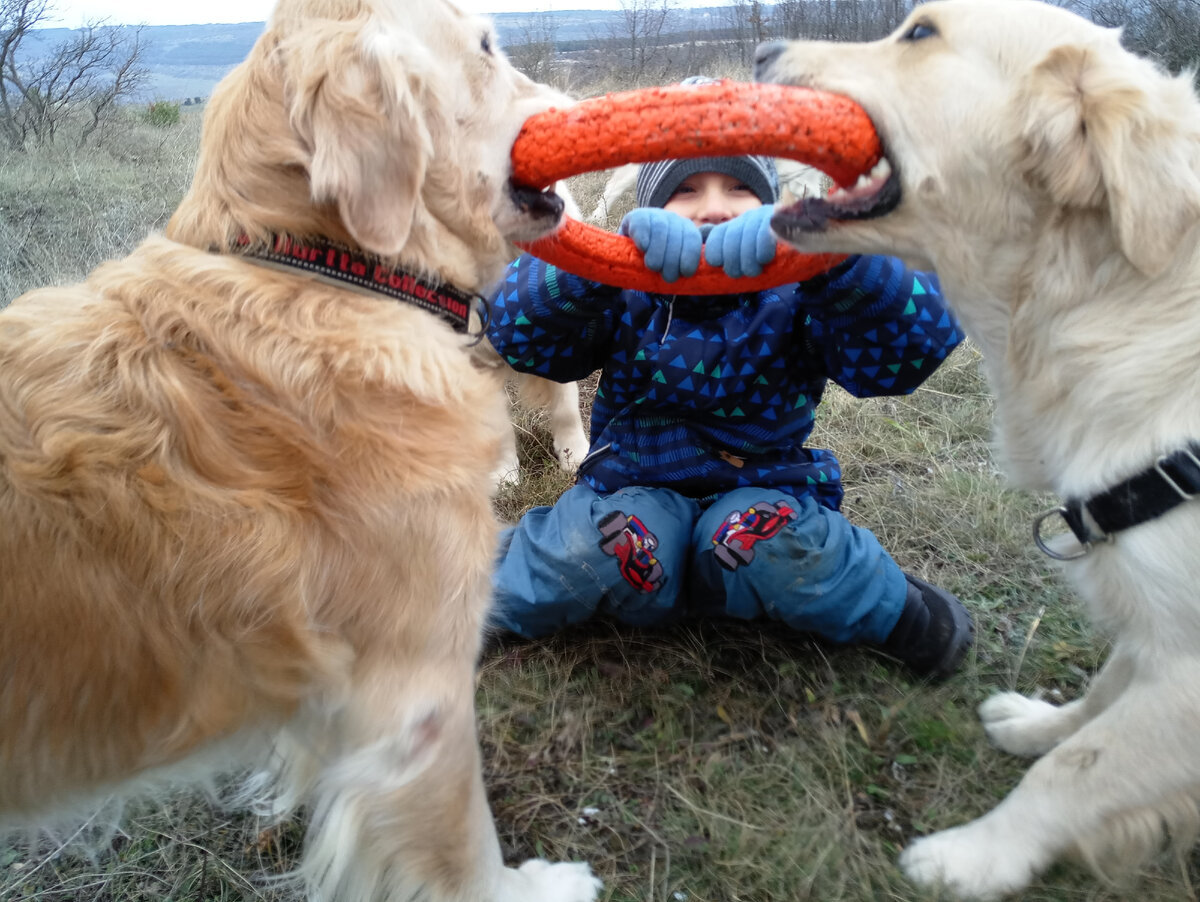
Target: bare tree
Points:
(87, 74)
(838, 20)
(1166, 30)
(534, 53)
(790, 18)
(17, 19)
(747, 25)
(128, 75)
(643, 24)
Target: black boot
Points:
(933, 633)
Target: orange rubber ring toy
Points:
(728, 118)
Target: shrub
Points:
(163, 113)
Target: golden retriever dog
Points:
(1052, 179)
(244, 496)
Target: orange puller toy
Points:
(728, 118)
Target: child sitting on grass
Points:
(698, 496)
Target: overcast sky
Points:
(73, 13)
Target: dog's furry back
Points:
(170, 504)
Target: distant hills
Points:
(186, 61)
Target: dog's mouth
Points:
(875, 194)
(534, 204)
(531, 213)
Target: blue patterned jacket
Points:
(706, 394)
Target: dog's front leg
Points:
(401, 812)
(985, 859)
(541, 881)
(561, 402)
(1093, 793)
(1030, 727)
(507, 471)
(570, 441)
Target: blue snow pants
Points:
(650, 556)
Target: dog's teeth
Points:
(867, 185)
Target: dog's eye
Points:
(485, 44)
(919, 32)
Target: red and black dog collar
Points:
(332, 261)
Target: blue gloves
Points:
(670, 243)
(742, 245)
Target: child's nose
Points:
(716, 207)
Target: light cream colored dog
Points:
(558, 401)
(244, 503)
(1052, 179)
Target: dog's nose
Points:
(766, 54)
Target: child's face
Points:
(710, 198)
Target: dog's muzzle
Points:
(765, 56)
(536, 204)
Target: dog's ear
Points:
(368, 142)
(1105, 129)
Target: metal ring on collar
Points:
(1044, 547)
(1183, 494)
(485, 320)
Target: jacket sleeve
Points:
(880, 327)
(551, 323)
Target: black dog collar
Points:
(331, 261)
(1174, 479)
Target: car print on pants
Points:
(632, 544)
(733, 542)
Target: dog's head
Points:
(994, 115)
(382, 124)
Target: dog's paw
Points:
(507, 474)
(570, 449)
(968, 862)
(1025, 726)
(540, 881)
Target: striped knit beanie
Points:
(656, 182)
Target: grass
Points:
(63, 208)
(716, 762)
